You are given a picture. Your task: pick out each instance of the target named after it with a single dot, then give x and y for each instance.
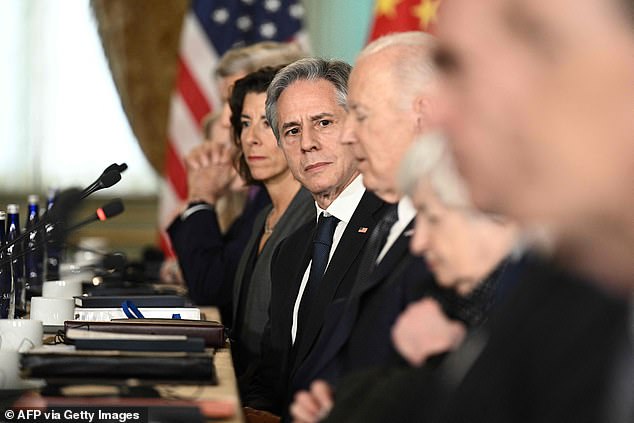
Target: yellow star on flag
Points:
(426, 12)
(387, 7)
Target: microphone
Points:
(119, 167)
(105, 212)
(110, 176)
(106, 180)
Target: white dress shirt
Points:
(342, 208)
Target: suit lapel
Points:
(348, 250)
(394, 254)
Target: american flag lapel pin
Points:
(362, 230)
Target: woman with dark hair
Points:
(261, 161)
(211, 232)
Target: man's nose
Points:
(309, 139)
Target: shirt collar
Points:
(406, 211)
(346, 203)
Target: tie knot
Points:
(325, 229)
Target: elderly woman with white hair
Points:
(461, 245)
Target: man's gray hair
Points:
(413, 64)
(310, 69)
(430, 160)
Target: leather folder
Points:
(110, 365)
(213, 333)
(184, 345)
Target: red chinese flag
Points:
(403, 15)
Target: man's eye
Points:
(292, 131)
(266, 123)
(245, 124)
(325, 122)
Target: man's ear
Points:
(424, 108)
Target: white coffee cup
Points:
(52, 311)
(10, 370)
(20, 335)
(61, 289)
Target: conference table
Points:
(219, 403)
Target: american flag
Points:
(403, 15)
(211, 28)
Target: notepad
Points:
(107, 314)
(111, 301)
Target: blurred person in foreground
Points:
(543, 356)
(317, 265)
(538, 109)
(209, 256)
(540, 99)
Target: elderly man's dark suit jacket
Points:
(545, 356)
(268, 390)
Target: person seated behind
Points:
(207, 255)
(260, 159)
(467, 250)
(229, 206)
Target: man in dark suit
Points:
(318, 264)
(384, 121)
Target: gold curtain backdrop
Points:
(140, 40)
